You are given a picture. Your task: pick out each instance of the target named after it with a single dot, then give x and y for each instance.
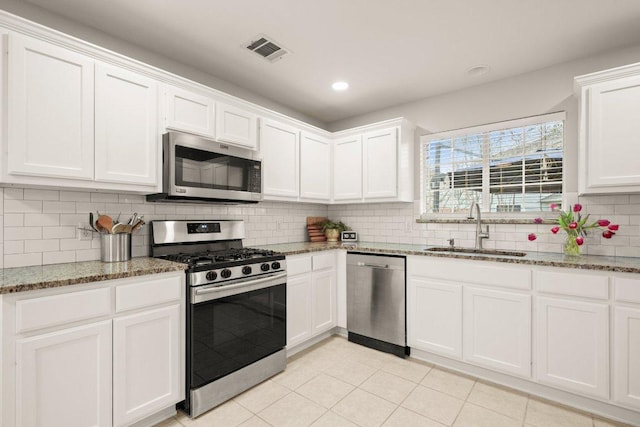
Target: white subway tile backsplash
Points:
(43, 219)
(58, 257)
(75, 196)
(22, 260)
(49, 245)
(14, 247)
(36, 194)
(49, 206)
(62, 232)
(22, 233)
(14, 220)
(13, 193)
(22, 206)
(104, 197)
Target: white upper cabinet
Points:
(374, 163)
(50, 121)
(347, 168)
(380, 163)
(279, 147)
(127, 143)
(609, 131)
(236, 126)
(315, 167)
(189, 112)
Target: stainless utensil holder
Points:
(115, 247)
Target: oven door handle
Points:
(209, 293)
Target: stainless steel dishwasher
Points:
(376, 308)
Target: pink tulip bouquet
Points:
(576, 226)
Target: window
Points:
(513, 166)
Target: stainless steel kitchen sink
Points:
(472, 251)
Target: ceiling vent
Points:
(267, 48)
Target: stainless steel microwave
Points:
(197, 169)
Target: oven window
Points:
(204, 169)
(230, 333)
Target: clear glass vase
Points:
(571, 248)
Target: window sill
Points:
(528, 221)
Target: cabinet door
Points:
(50, 110)
(236, 126)
(298, 309)
(612, 127)
(380, 164)
(127, 143)
(323, 297)
(347, 168)
(434, 316)
(626, 357)
(573, 345)
(497, 330)
(146, 363)
(279, 145)
(315, 167)
(189, 112)
(64, 378)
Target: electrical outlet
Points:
(83, 232)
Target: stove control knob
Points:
(264, 267)
(275, 265)
(211, 276)
(226, 273)
(246, 270)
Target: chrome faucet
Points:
(479, 234)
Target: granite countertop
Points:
(585, 262)
(22, 279)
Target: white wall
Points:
(99, 38)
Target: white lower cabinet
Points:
(573, 345)
(298, 309)
(497, 330)
(63, 378)
(626, 351)
(146, 352)
(311, 296)
(93, 367)
(323, 297)
(434, 316)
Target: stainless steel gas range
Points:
(236, 308)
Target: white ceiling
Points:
(390, 51)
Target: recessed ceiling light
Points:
(478, 70)
(340, 86)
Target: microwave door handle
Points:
(214, 292)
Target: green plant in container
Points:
(332, 229)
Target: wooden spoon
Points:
(105, 222)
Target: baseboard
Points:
(156, 418)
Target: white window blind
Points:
(513, 166)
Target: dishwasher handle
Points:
(366, 264)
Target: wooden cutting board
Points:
(315, 232)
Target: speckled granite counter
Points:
(50, 276)
(586, 262)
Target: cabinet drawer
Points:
(324, 261)
(575, 284)
(626, 289)
(147, 293)
(298, 265)
(55, 310)
(477, 272)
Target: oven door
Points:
(206, 169)
(235, 325)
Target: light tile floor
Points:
(337, 383)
